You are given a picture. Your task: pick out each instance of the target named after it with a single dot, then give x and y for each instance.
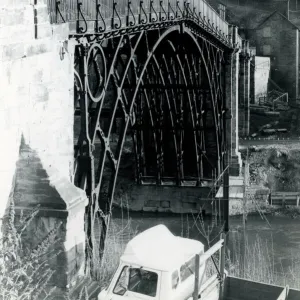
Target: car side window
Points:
(187, 269)
(175, 279)
(122, 282)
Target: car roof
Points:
(157, 248)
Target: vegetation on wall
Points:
(24, 273)
(275, 167)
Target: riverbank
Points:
(288, 211)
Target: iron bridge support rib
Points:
(164, 88)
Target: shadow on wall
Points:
(61, 205)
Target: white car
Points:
(156, 265)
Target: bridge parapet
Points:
(100, 16)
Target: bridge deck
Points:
(105, 16)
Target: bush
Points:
(24, 273)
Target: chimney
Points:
(283, 6)
(287, 14)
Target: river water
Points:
(275, 242)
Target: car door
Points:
(136, 283)
(144, 284)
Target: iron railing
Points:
(104, 15)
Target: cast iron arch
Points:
(111, 79)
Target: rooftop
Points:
(157, 248)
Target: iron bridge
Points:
(153, 71)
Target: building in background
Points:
(272, 26)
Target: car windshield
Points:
(136, 280)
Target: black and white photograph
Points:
(150, 149)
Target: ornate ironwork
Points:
(80, 29)
(115, 15)
(100, 18)
(171, 11)
(122, 16)
(58, 12)
(162, 12)
(163, 89)
(153, 11)
(130, 13)
(178, 9)
(142, 12)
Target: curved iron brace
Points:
(109, 72)
(203, 58)
(148, 106)
(171, 81)
(121, 147)
(195, 110)
(136, 91)
(91, 54)
(176, 142)
(78, 86)
(216, 71)
(130, 110)
(201, 120)
(156, 106)
(212, 58)
(187, 93)
(178, 113)
(103, 158)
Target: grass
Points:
(287, 210)
(256, 261)
(117, 239)
(25, 272)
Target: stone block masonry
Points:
(169, 199)
(36, 102)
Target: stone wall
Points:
(244, 95)
(261, 72)
(166, 199)
(232, 95)
(36, 88)
(36, 106)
